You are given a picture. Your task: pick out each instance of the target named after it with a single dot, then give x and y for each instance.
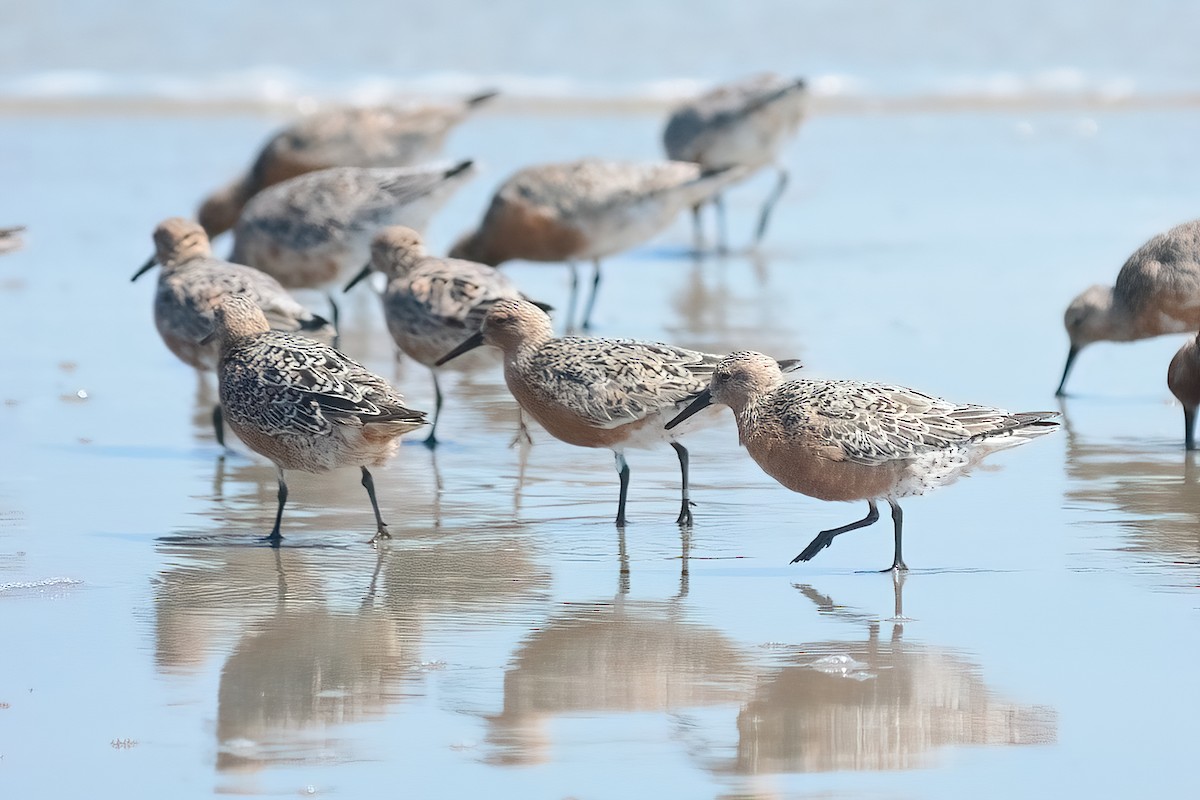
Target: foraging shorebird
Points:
(380, 136)
(613, 393)
(745, 123)
(303, 404)
(1157, 292)
(1183, 378)
(586, 210)
(846, 440)
(314, 230)
(192, 284)
(432, 304)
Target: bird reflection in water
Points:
(612, 657)
(881, 704)
(1152, 485)
(295, 677)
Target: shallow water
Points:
(508, 641)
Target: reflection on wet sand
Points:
(619, 656)
(1154, 486)
(301, 662)
(213, 594)
(875, 705)
(297, 674)
(719, 312)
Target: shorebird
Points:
(586, 210)
(1183, 378)
(847, 440)
(303, 404)
(432, 304)
(745, 123)
(314, 229)
(1157, 292)
(613, 393)
(379, 136)
(10, 238)
(192, 284)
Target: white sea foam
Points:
(269, 87)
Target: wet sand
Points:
(508, 641)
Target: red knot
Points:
(192, 284)
(613, 393)
(1157, 292)
(1183, 378)
(316, 229)
(432, 304)
(586, 210)
(303, 404)
(744, 123)
(847, 440)
(378, 136)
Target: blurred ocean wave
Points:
(277, 89)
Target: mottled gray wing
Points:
(611, 382)
(692, 125)
(321, 206)
(287, 383)
(1164, 271)
(874, 423)
(588, 185)
(203, 284)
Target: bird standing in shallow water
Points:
(744, 123)
(1157, 292)
(1183, 378)
(192, 284)
(432, 304)
(614, 393)
(586, 210)
(303, 404)
(316, 229)
(377, 136)
(846, 440)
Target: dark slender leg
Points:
(333, 312)
(587, 312)
(431, 440)
(381, 531)
(276, 537)
(574, 295)
(825, 538)
(219, 424)
(898, 524)
(685, 508)
(698, 227)
(623, 472)
(769, 205)
(722, 237)
(1189, 427)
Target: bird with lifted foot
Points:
(304, 405)
(849, 440)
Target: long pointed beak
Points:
(470, 344)
(149, 265)
(1062, 385)
(354, 281)
(702, 401)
